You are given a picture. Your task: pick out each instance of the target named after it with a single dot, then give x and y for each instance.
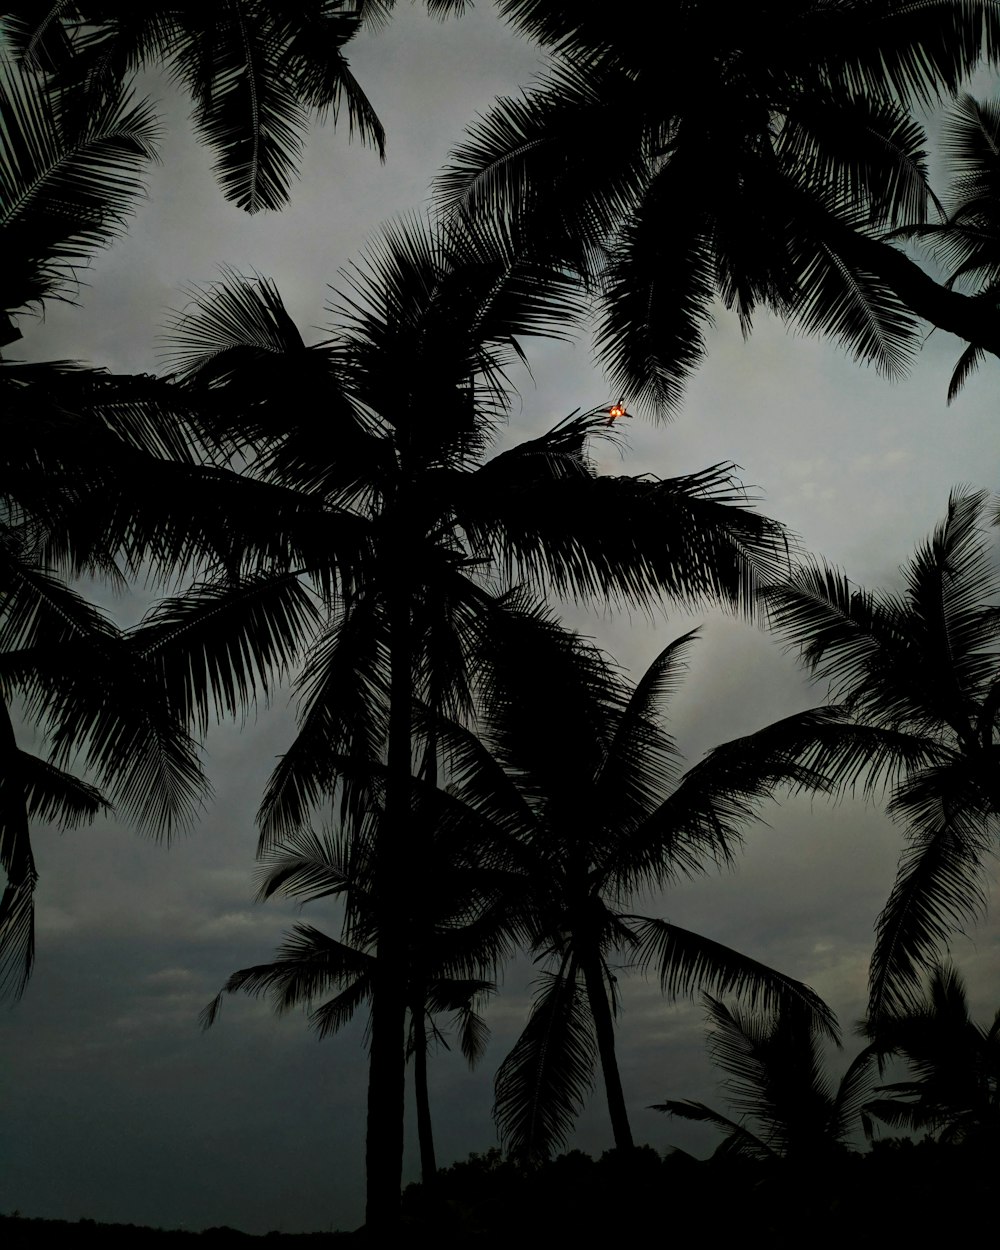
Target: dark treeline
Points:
(901, 1189)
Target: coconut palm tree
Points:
(457, 934)
(954, 1063)
(774, 1074)
(920, 671)
(383, 431)
(762, 161)
(580, 763)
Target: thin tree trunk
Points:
(604, 1026)
(428, 1163)
(386, 1072)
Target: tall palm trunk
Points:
(17, 925)
(386, 1072)
(428, 1162)
(604, 1027)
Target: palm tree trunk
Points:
(428, 1163)
(604, 1026)
(386, 1071)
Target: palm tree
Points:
(579, 762)
(761, 161)
(383, 432)
(456, 937)
(920, 672)
(955, 1066)
(255, 71)
(774, 1066)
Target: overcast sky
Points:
(114, 1105)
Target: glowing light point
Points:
(616, 411)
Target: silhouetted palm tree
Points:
(457, 934)
(774, 1069)
(920, 672)
(955, 1066)
(761, 160)
(383, 432)
(578, 761)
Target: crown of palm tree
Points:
(918, 674)
(578, 764)
(774, 1075)
(954, 1063)
(757, 160)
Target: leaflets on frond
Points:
(940, 886)
(687, 961)
(69, 179)
(542, 1084)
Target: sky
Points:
(113, 1104)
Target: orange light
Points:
(616, 410)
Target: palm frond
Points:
(939, 887)
(309, 866)
(642, 762)
(344, 700)
(220, 645)
(968, 363)
(739, 1140)
(687, 962)
(246, 108)
(691, 538)
(307, 963)
(330, 1017)
(69, 179)
(542, 1084)
(50, 794)
(774, 1073)
(659, 289)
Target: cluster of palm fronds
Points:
(790, 1109)
(490, 782)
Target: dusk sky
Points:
(113, 1104)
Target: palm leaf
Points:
(542, 1084)
(221, 645)
(307, 963)
(687, 962)
(642, 762)
(658, 294)
(739, 1140)
(344, 697)
(246, 109)
(50, 794)
(939, 886)
(69, 178)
